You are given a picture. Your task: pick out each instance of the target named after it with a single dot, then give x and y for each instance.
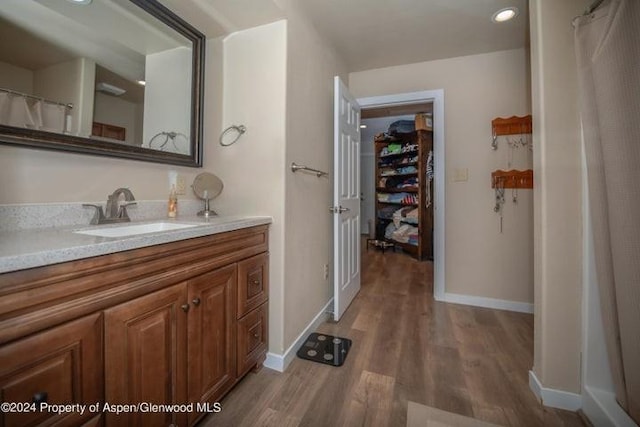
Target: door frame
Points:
(437, 97)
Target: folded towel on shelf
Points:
(388, 232)
(403, 233)
(394, 148)
(406, 169)
(402, 126)
(400, 198)
(387, 212)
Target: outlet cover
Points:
(181, 187)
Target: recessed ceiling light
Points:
(80, 1)
(363, 126)
(505, 14)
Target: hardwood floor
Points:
(406, 347)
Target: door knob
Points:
(196, 301)
(338, 209)
(185, 307)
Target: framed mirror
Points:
(119, 78)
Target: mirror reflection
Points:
(99, 69)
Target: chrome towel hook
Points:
(240, 129)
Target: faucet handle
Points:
(122, 212)
(98, 217)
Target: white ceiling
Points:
(216, 18)
(366, 33)
(380, 33)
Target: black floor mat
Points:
(325, 349)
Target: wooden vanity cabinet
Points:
(170, 319)
(253, 293)
(212, 338)
(58, 366)
(145, 355)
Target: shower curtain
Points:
(19, 111)
(608, 56)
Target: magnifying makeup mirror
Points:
(207, 186)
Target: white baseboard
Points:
(552, 397)
(280, 362)
(601, 408)
(498, 304)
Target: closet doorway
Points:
(377, 114)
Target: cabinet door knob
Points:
(256, 282)
(40, 397)
(185, 307)
(256, 335)
(196, 301)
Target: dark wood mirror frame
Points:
(59, 142)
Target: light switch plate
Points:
(461, 175)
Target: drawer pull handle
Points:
(40, 397)
(185, 307)
(196, 301)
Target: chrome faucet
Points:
(115, 212)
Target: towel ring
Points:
(241, 129)
(157, 143)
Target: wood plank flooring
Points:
(406, 347)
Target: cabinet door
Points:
(60, 366)
(252, 339)
(145, 357)
(211, 335)
(253, 283)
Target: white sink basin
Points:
(133, 230)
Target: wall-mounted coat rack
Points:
(511, 126)
(512, 179)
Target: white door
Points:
(346, 199)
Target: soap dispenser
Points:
(172, 210)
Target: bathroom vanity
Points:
(164, 320)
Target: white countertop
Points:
(24, 249)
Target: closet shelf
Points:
(399, 174)
(397, 190)
(397, 203)
(404, 221)
(398, 154)
(398, 168)
(396, 165)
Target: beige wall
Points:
(311, 66)
(480, 261)
(557, 195)
(167, 98)
(16, 78)
(253, 169)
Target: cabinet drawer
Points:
(253, 283)
(252, 339)
(60, 366)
